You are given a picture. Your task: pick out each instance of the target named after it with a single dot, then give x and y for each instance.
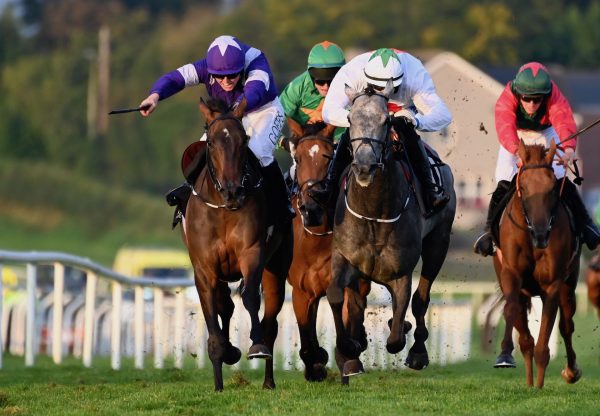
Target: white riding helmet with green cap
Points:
(383, 65)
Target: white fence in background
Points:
(111, 323)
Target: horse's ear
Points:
(328, 131)
(551, 152)
(295, 128)
(389, 87)
(238, 112)
(206, 112)
(522, 151)
(350, 92)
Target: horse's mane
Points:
(220, 106)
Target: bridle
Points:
(311, 183)
(212, 174)
(385, 144)
(386, 148)
(554, 209)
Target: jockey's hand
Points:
(409, 116)
(149, 104)
(567, 157)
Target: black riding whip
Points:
(128, 110)
(579, 132)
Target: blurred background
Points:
(73, 179)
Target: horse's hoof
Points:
(571, 376)
(316, 372)
(232, 355)
(417, 360)
(269, 385)
(505, 361)
(259, 351)
(322, 357)
(353, 368)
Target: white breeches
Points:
(263, 126)
(506, 166)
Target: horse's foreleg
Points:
(274, 296)
(341, 275)
(515, 316)
(216, 340)
(571, 374)
(251, 300)
(417, 357)
(225, 308)
(542, 351)
(305, 309)
(353, 314)
(400, 291)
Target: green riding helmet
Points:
(532, 79)
(324, 60)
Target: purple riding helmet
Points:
(225, 56)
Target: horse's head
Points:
(536, 187)
(227, 149)
(369, 128)
(312, 150)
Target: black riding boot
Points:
(342, 157)
(584, 223)
(484, 244)
(436, 197)
(178, 197)
(277, 192)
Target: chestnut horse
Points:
(310, 273)
(225, 231)
(539, 256)
(379, 233)
(593, 282)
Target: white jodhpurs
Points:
(506, 166)
(263, 126)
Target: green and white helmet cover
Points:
(326, 55)
(383, 65)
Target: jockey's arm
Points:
(335, 107)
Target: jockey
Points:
(230, 72)
(302, 99)
(533, 109)
(414, 99)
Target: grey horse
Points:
(380, 234)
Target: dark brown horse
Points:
(225, 231)
(539, 256)
(310, 272)
(380, 234)
(593, 282)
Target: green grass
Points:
(472, 387)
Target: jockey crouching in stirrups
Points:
(413, 99)
(533, 109)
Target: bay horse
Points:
(225, 231)
(593, 282)
(310, 272)
(539, 256)
(379, 232)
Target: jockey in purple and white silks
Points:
(414, 99)
(230, 72)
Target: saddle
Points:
(435, 162)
